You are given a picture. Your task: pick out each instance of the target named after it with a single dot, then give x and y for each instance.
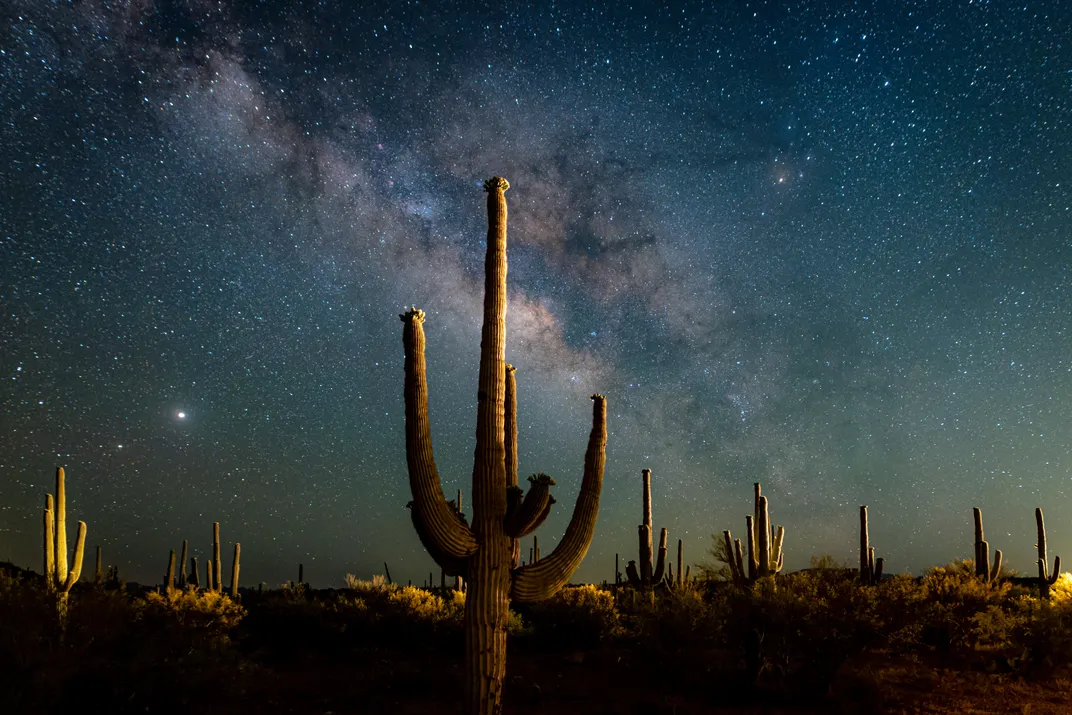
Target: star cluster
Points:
(825, 247)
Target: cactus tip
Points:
(496, 183)
(413, 313)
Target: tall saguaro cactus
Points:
(870, 567)
(647, 576)
(982, 552)
(484, 552)
(1045, 580)
(58, 579)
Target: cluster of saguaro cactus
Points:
(58, 578)
(1045, 579)
(486, 552)
(983, 570)
(647, 576)
(682, 576)
(764, 545)
(870, 567)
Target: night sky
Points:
(823, 246)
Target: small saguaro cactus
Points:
(647, 576)
(217, 563)
(1045, 580)
(870, 567)
(679, 579)
(765, 555)
(484, 552)
(235, 566)
(195, 579)
(982, 552)
(169, 575)
(98, 574)
(182, 564)
(58, 579)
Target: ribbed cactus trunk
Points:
(484, 552)
(61, 526)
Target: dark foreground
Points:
(817, 642)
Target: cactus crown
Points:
(541, 478)
(496, 182)
(413, 313)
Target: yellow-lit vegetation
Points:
(814, 636)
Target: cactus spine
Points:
(647, 576)
(1045, 580)
(870, 567)
(58, 579)
(484, 551)
(982, 552)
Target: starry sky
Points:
(823, 246)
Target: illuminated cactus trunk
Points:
(983, 569)
(1045, 580)
(58, 579)
(484, 552)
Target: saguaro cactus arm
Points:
(50, 543)
(551, 501)
(79, 551)
(510, 434)
(660, 564)
(777, 558)
(544, 578)
(450, 564)
(536, 503)
(735, 573)
(441, 532)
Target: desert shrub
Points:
(201, 615)
(1041, 642)
(1061, 590)
(959, 611)
(794, 633)
(575, 617)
